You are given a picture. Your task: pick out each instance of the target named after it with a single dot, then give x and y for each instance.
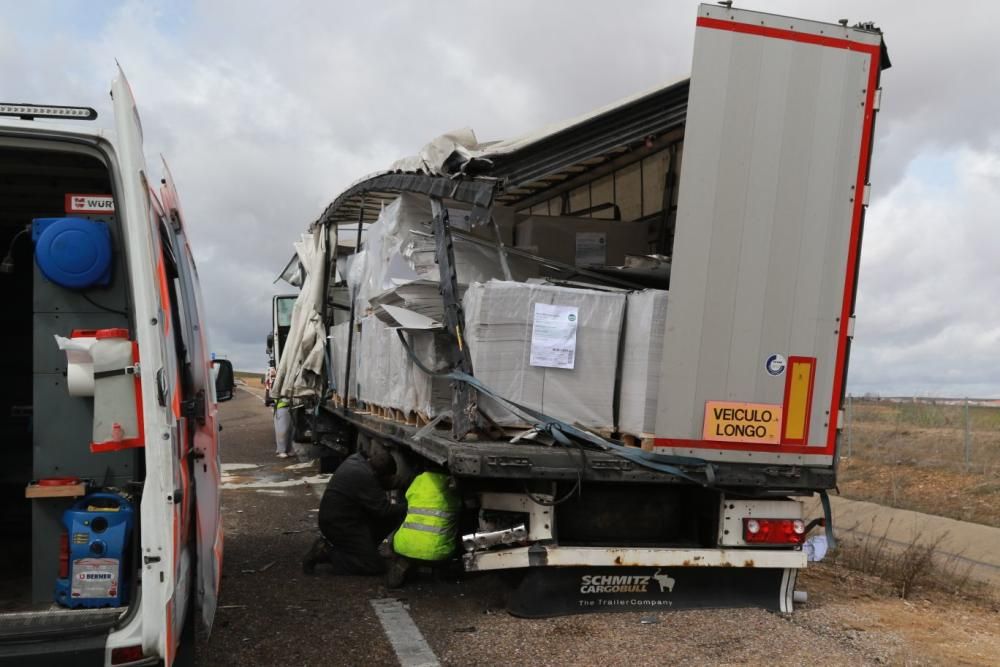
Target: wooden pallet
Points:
(407, 417)
(35, 490)
(644, 441)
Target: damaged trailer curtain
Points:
(300, 368)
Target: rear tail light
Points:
(126, 654)
(64, 555)
(774, 531)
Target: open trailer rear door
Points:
(771, 207)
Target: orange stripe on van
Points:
(164, 294)
(175, 404)
(168, 652)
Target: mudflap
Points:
(561, 591)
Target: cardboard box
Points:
(645, 323)
(503, 337)
(583, 241)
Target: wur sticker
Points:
(553, 336)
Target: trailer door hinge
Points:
(840, 419)
(866, 194)
(877, 100)
(148, 560)
(850, 326)
(194, 408)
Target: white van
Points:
(108, 406)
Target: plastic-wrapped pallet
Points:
(399, 248)
(338, 340)
(426, 395)
(504, 328)
(388, 378)
(645, 321)
(372, 367)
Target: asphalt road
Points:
(272, 614)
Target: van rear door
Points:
(162, 612)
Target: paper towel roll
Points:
(79, 365)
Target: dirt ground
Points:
(913, 455)
(959, 495)
(270, 613)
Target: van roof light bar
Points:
(32, 111)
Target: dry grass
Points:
(956, 494)
(925, 434)
(912, 456)
(905, 567)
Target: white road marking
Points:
(313, 481)
(410, 646)
(229, 467)
(318, 490)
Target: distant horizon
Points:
(850, 394)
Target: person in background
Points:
(355, 515)
(283, 428)
(268, 382)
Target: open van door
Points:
(203, 422)
(164, 594)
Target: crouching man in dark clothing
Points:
(355, 516)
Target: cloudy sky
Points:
(265, 111)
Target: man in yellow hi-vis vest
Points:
(428, 531)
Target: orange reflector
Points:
(798, 400)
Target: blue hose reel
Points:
(73, 252)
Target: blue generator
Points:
(94, 560)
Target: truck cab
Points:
(110, 467)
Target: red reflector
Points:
(126, 654)
(64, 555)
(773, 531)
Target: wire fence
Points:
(959, 434)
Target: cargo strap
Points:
(559, 430)
(824, 500)
(128, 370)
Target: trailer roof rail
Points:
(378, 189)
